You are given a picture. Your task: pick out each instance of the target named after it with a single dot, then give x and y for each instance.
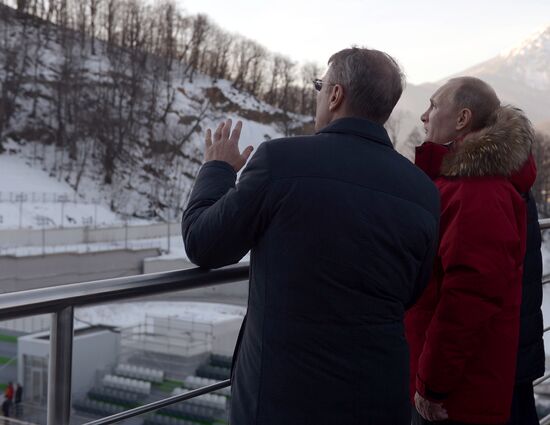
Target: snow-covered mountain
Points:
(527, 64)
(520, 76)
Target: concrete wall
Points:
(225, 336)
(30, 324)
(91, 352)
(29, 272)
(82, 235)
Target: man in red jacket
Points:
(463, 332)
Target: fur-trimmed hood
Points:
(500, 149)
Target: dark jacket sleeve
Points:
(480, 247)
(530, 363)
(222, 220)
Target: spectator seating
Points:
(127, 384)
(139, 372)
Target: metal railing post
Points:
(60, 369)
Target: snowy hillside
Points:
(96, 127)
(29, 197)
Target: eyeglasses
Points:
(318, 84)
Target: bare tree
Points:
(407, 147)
(220, 44)
(248, 56)
(271, 94)
(15, 52)
(94, 5)
(308, 95)
(200, 30)
(393, 126)
(110, 19)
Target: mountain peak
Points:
(538, 41)
(526, 64)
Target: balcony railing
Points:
(60, 301)
(544, 225)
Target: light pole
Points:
(87, 222)
(21, 197)
(125, 231)
(63, 199)
(42, 222)
(95, 201)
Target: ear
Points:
(464, 119)
(336, 98)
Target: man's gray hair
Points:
(477, 96)
(372, 81)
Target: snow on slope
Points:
(144, 184)
(40, 190)
(154, 169)
(33, 192)
(529, 62)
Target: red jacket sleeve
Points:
(481, 250)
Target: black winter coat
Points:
(342, 232)
(530, 362)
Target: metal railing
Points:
(544, 225)
(12, 421)
(61, 301)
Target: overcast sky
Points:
(430, 38)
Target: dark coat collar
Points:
(359, 127)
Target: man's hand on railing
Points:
(429, 410)
(225, 145)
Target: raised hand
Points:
(430, 410)
(225, 145)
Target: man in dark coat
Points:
(342, 232)
(530, 362)
(464, 330)
(18, 399)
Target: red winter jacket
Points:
(8, 393)
(463, 331)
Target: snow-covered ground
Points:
(130, 314)
(152, 167)
(30, 197)
(174, 251)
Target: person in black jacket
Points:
(530, 361)
(342, 232)
(18, 399)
